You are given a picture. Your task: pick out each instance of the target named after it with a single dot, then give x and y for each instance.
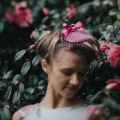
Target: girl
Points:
(65, 57)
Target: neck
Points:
(54, 100)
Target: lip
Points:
(71, 89)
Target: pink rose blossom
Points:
(113, 56)
(112, 47)
(71, 11)
(112, 52)
(24, 17)
(104, 46)
(10, 16)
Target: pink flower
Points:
(118, 18)
(112, 52)
(31, 47)
(32, 35)
(16, 83)
(114, 56)
(45, 11)
(71, 11)
(113, 84)
(7, 106)
(10, 16)
(19, 5)
(104, 46)
(24, 17)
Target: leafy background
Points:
(22, 80)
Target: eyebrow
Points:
(84, 70)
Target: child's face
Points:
(66, 73)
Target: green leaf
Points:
(52, 12)
(30, 90)
(1, 26)
(96, 3)
(33, 79)
(115, 118)
(16, 97)
(5, 114)
(113, 12)
(25, 67)
(36, 34)
(36, 60)
(109, 28)
(4, 69)
(18, 77)
(45, 19)
(56, 15)
(19, 55)
(8, 93)
(8, 75)
(21, 87)
(116, 23)
(111, 103)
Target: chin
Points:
(69, 96)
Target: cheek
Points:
(82, 80)
(59, 80)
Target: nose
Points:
(74, 80)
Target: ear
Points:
(44, 65)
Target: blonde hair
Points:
(50, 42)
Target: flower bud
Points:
(7, 106)
(32, 35)
(45, 11)
(118, 18)
(16, 83)
(111, 86)
(32, 47)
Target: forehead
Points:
(66, 58)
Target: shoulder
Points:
(24, 111)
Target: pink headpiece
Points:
(74, 34)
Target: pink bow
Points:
(68, 28)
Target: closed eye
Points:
(67, 72)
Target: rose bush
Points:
(22, 81)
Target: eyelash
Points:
(70, 73)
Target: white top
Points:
(38, 113)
